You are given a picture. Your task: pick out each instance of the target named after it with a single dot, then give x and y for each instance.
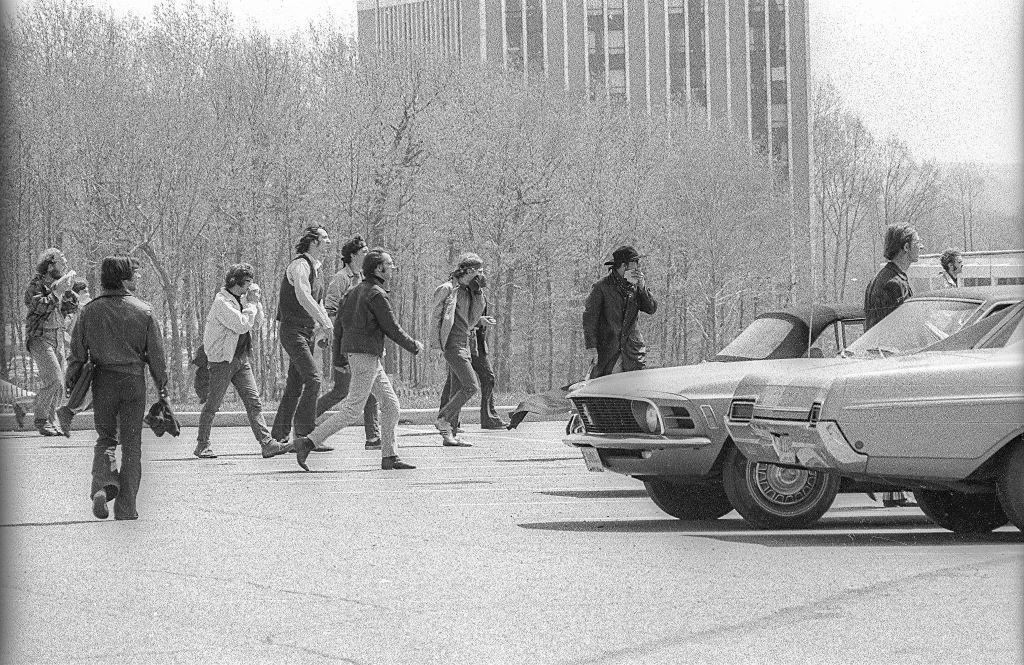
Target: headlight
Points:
(653, 419)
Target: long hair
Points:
(309, 235)
(46, 259)
(115, 271)
(467, 262)
(238, 273)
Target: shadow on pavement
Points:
(93, 521)
(598, 494)
(539, 459)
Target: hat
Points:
(624, 254)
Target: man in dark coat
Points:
(612, 340)
(890, 287)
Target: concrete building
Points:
(744, 61)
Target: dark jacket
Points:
(365, 316)
(609, 325)
(887, 291)
(118, 332)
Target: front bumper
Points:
(647, 455)
(796, 443)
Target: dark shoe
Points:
(203, 450)
(497, 425)
(372, 444)
(302, 447)
(273, 448)
(64, 418)
(46, 429)
(99, 505)
(19, 415)
(321, 448)
(388, 463)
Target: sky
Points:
(943, 75)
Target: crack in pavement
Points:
(784, 615)
(267, 587)
(314, 652)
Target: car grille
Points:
(607, 415)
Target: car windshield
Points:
(762, 339)
(912, 326)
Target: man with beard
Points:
(612, 341)
(44, 333)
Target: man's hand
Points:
(487, 321)
(254, 293)
(64, 282)
(419, 346)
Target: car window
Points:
(1011, 332)
(914, 325)
(852, 330)
(760, 339)
(827, 343)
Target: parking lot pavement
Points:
(506, 552)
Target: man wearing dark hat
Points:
(121, 336)
(613, 342)
(458, 310)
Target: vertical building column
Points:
(607, 68)
(668, 61)
(686, 57)
(586, 46)
(483, 30)
(565, 41)
(728, 67)
(746, 55)
(789, 104)
(525, 47)
(504, 34)
(768, 76)
(544, 36)
(647, 55)
(707, 66)
(626, 39)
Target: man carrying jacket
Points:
(227, 340)
(612, 341)
(121, 336)
(367, 318)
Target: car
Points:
(664, 426)
(947, 422)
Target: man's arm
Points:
(40, 299)
(381, 308)
(238, 322)
(335, 290)
(79, 355)
(155, 355)
(298, 273)
(645, 300)
(592, 316)
(437, 314)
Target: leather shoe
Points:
(302, 447)
(388, 463)
(456, 442)
(321, 448)
(46, 429)
(372, 444)
(64, 417)
(204, 451)
(99, 505)
(497, 425)
(274, 448)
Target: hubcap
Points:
(781, 485)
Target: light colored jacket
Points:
(226, 323)
(443, 316)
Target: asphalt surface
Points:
(506, 552)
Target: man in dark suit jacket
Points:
(890, 287)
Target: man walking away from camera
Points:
(121, 336)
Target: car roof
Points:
(825, 313)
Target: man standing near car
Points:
(304, 322)
(121, 336)
(890, 287)
(611, 338)
(888, 290)
(352, 254)
(952, 262)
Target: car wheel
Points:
(688, 501)
(775, 497)
(1010, 485)
(962, 513)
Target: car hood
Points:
(706, 380)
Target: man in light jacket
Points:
(227, 339)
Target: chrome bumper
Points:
(635, 442)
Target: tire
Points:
(962, 513)
(1010, 486)
(688, 501)
(775, 497)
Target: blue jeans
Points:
(237, 372)
(119, 403)
(298, 403)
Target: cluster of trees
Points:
(863, 184)
(193, 146)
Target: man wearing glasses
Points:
(352, 254)
(458, 311)
(304, 321)
(367, 318)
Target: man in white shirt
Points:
(304, 322)
(227, 340)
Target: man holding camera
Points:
(613, 342)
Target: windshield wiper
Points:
(882, 351)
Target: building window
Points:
(595, 50)
(677, 50)
(535, 36)
(514, 34)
